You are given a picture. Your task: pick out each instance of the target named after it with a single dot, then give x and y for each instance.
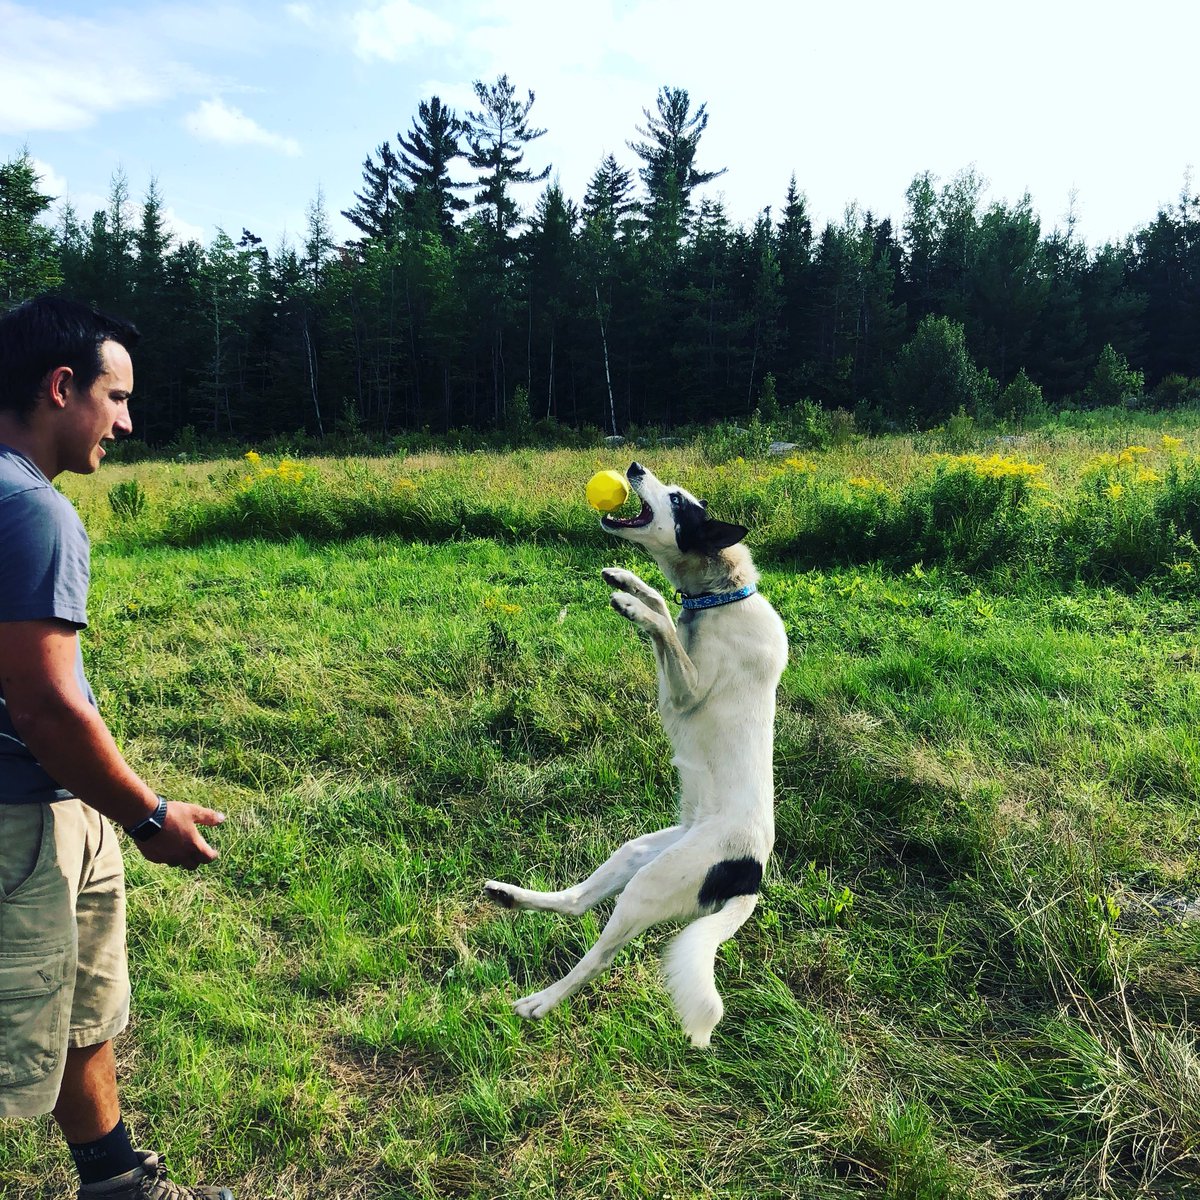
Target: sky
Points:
(244, 112)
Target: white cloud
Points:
(216, 121)
(302, 13)
(51, 182)
(181, 230)
(54, 77)
(395, 29)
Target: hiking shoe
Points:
(149, 1182)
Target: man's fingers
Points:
(207, 816)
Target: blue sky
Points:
(242, 112)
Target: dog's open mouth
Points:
(643, 518)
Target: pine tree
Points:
(380, 203)
(28, 263)
(497, 136)
(670, 173)
(425, 160)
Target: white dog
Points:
(717, 674)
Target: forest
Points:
(638, 305)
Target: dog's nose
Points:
(636, 470)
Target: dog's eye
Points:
(676, 499)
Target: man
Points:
(65, 382)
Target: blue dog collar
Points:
(717, 599)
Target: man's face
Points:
(99, 413)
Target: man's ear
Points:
(718, 535)
(55, 383)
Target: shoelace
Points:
(173, 1190)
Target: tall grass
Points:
(1131, 514)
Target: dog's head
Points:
(672, 522)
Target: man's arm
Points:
(71, 741)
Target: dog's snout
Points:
(636, 470)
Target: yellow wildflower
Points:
(1170, 443)
(1114, 491)
(253, 457)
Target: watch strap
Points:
(147, 827)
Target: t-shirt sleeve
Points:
(43, 559)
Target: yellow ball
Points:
(607, 490)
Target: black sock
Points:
(109, 1156)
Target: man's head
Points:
(50, 332)
(65, 369)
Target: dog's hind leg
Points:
(664, 890)
(608, 879)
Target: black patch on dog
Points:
(697, 533)
(731, 877)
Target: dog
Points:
(717, 675)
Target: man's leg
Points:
(88, 1107)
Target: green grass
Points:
(968, 975)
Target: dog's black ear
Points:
(717, 535)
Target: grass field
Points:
(972, 968)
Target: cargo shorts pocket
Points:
(32, 1031)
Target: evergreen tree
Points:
(920, 245)
(934, 375)
(425, 160)
(1009, 287)
(28, 263)
(106, 271)
(670, 173)
(795, 254)
(608, 215)
(1058, 356)
(497, 136)
(550, 248)
(765, 303)
(381, 202)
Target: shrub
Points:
(1022, 398)
(1113, 381)
(127, 499)
(1175, 391)
(768, 401)
(978, 513)
(934, 375)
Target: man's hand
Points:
(180, 842)
(71, 741)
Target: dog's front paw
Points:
(500, 893)
(534, 1007)
(618, 577)
(632, 609)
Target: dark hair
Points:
(48, 332)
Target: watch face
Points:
(149, 826)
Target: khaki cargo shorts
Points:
(64, 975)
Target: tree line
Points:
(639, 304)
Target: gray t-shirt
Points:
(44, 564)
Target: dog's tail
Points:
(688, 967)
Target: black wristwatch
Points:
(149, 826)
